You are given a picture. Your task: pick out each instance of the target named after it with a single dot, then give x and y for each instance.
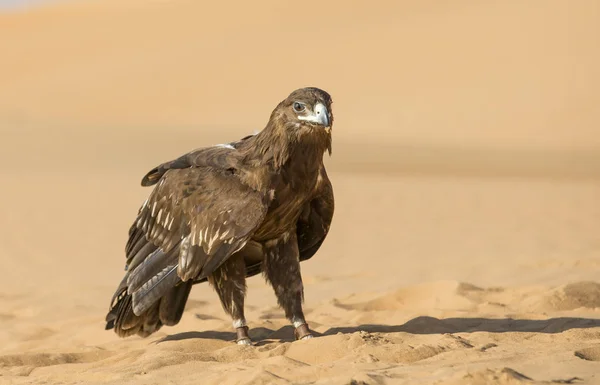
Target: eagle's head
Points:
(309, 107)
(306, 115)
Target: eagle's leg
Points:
(229, 281)
(282, 270)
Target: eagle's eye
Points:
(299, 107)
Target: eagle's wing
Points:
(314, 221)
(312, 225)
(194, 219)
(219, 157)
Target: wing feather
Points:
(194, 219)
(218, 157)
(314, 222)
(147, 249)
(154, 289)
(150, 267)
(311, 229)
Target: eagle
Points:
(224, 213)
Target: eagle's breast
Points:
(291, 190)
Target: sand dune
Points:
(464, 248)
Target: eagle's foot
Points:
(242, 336)
(302, 332)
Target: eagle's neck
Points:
(271, 146)
(281, 147)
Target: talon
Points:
(302, 332)
(242, 336)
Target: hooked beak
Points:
(319, 116)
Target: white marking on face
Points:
(320, 115)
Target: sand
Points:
(466, 167)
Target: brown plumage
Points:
(228, 212)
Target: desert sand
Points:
(465, 248)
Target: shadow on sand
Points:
(284, 334)
(419, 325)
(432, 325)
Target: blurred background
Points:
(466, 156)
(466, 136)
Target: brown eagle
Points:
(224, 213)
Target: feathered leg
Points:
(229, 281)
(282, 270)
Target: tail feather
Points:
(126, 318)
(172, 305)
(151, 293)
(121, 317)
(168, 310)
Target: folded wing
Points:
(194, 219)
(315, 220)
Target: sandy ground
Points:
(465, 247)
